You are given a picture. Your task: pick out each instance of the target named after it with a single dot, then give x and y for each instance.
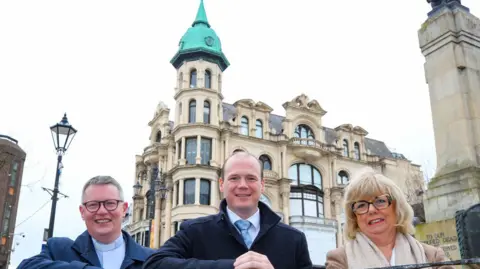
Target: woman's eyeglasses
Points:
(94, 206)
(380, 202)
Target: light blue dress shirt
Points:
(110, 255)
(254, 219)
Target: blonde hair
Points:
(368, 183)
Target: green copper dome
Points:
(200, 42)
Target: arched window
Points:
(192, 111)
(356, 149)
(193, 78)
(267, 163)
(342, 178)
(304, 132)
(244, 126)
(150, 204)
(305, 174)
(158, 136)
(259, 129)
(306, 201)
(345, 148)
(208, 79)
(206, 112)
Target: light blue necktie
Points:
(243, 226)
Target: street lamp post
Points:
(62, 135)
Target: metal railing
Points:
(435, 264)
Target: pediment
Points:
(344, 127)
(359, 130)
(245, 102)
(262, 106)
(303, 102)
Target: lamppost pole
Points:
(62, 135)
(54, 198)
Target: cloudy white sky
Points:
(106, 64)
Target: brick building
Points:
(12, 158)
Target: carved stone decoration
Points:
(303, 102)
(161, 106)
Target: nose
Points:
(242, 183)
(372, 209)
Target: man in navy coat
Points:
(104, 244)
(245, 233)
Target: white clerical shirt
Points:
(110, 255)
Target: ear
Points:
(125, 207)
(220, 184)
(262, 184)
(82, 211)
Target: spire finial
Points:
(201, 15)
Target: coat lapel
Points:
(84, 246)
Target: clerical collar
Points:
(108, 247)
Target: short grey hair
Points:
(103, 180)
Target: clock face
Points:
(209, 41)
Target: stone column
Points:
(198, 159)
(449, 40)
(182, 152)
(180, 191)
(197, 191)
(168, 215)
(158, 222)
(285, 194)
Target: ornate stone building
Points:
(307, 164)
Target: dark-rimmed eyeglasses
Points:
(109, 205)
(379, 202)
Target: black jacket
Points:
(212, 242)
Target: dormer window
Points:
(356, 148)
(345, 148)
(244, 126)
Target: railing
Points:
(270, 174)
(313, 220)
(435, 264)
(309, 142)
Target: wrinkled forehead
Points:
(242, 165)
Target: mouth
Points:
(376, 221)
(242, 195)
(102, 221)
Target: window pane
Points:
(206, 150)
(206, 112)
(192, 112)
(205, 192)
(317, 178)
(310, 208)
(259, 129)
(295, 207)
(13, 176)
(292, 174)
(189, 192)
(305, 174)
(191, 150)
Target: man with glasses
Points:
(104, 244)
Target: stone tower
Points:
(450, 41)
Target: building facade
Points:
(307, 165)
(12, 158)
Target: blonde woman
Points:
(379, 228)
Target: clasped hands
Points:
(252, 260)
